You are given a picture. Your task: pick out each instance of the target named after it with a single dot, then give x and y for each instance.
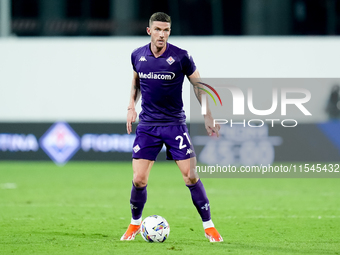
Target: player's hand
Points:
(209, 125)
(131, 117)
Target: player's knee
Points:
(139, 181)
(190, 180)
(190, 177)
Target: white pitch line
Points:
(8, 185)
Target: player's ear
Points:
(148, 30)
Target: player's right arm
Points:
(208, 119)
(134, 97)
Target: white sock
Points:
(208, 224)
(136, 222)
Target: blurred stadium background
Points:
(190, 17)
(68, 61)
(65, 76)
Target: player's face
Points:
(159, 32)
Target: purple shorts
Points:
(150, 139)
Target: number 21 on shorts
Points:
(181, 145)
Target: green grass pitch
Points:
(83, 208)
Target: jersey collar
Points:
(165, 53)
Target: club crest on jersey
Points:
(170, 60)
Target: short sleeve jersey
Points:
(161, 81)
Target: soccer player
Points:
(159, 70)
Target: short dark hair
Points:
(160, 16)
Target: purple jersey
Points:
(161, 81)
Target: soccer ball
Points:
(155, 229)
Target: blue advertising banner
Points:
(61, 142)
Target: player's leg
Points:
(141, 171)
(199, 197)
(198, 194)
(145, 150)
(180, 149)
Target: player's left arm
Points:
(194, 78)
